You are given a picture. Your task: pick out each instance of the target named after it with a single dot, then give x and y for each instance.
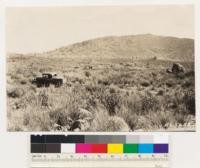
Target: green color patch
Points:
(130, 148)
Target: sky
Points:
(40, 29)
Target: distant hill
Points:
(145, 46)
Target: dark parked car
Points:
(47, 79)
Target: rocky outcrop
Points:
(83, 121)
(177, 68)
(81, 125)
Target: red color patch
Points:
(99, 148)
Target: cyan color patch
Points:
(145, 148)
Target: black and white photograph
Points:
(100, 68)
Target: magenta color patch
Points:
(83, 148)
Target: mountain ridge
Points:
(142, 46)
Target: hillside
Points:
(135, 46)
(107, 94)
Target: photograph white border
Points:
(20, 140)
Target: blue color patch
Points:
(145, 148)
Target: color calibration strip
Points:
(99, 151)
(102, 144)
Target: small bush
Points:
(189, 101)
(143, 123)
(116, 124)
(113, 89)
(170, 83)
(149, 102)
(43, 98)
(111, 101)
(161, 119)
(164, 119)
(133, 104)
(145, 83)
(132, 121)
(187, 84)
(127, 112)
(160, 93)
(26, 119)
(104, 81)
(87, 74)
(15, 93)
(181, 119)
(60, 117)
(23, 82)
(100, 115)
(180, 75)
(190, 74)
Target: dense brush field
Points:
(100, 95)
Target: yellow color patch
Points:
(115, 148)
